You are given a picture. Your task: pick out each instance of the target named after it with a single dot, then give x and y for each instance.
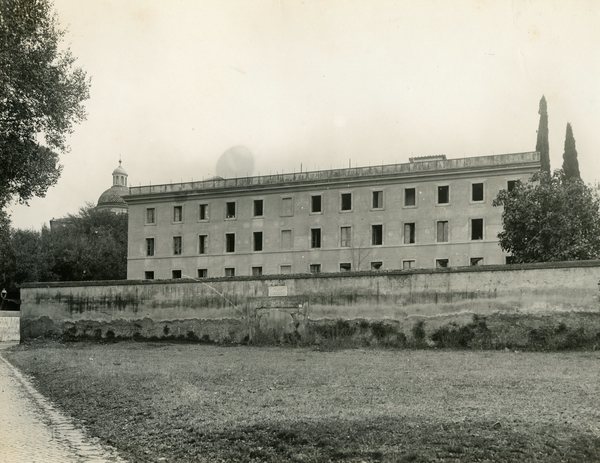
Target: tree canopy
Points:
(551, 218)
(41, 98)
(542, 145)
(570, 162)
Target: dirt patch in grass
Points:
(185, 402)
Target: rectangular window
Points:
(202, 273)
(257, 241)
(229, 271)
(510, 260)
(256, 271)
(443, 196)
(346, 202)
(150, 215)
(477, 192)
(315, 268)
(149, 247)
(175, 274)
(442, 231)
(476, 260)
(229, 242)
(286, 239)
(376, 265)
(476, 229)
(376, 235)
(202, 244)
(410, 197)
(345, 267)
(345, 237)
(285, 269)
(511, 185)
(315, 204)
(287, 207)
(258, 208)
(441, 263)
(315, 238)
(148, 275)
(408, 264)
(177, 245)
(377, 200)
(230, 210)
(203, 212)
(409, 233)
(177, 213)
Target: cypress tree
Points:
(570, 162)
(542, 136)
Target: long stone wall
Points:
(393, 308)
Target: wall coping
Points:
(300, 276)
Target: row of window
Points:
(316, 203)
(345, 241)
(313, 268)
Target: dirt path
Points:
(32, 430)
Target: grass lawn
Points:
(186, 402)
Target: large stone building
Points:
(429, 212)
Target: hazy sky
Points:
(176, 83)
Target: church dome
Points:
(119, 170)
(112, 199)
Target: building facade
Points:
(430, 212)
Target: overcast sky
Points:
(176, 83)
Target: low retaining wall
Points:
(10, 326)
(494, 306)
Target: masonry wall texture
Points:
(489, 306)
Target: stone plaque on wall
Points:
(278, 291)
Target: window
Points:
(202, 244)
(476, 229)
(177, 245)
(315, 204)
(258, 241)
(150, 215)
(377, 199)
(285, 269)
(203, 212)
(202, 273)
(229, 271)
(408, 264)
(177, 213)
(345, 267)
(443, 196)
(345, 237)
(256, 271)
(286, 239)
(476, 260)
(511, 185)
(409, 233)
(510, 260)
(258, 208)
(230, 210)
(477, 192)
(175, 274)
(441, 263)
(315, 238)
(148, 275)
(442, 231)
(410, 197)
(376, 235)
(376, 265)
(229, 242)
(287, 207)
(315, 268)
(149, 247)
(346, 201)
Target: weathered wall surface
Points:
(306, 307)
(9, 326)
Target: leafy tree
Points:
(551, 218)
(541, 145)
(41, 98)
(570, 162)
